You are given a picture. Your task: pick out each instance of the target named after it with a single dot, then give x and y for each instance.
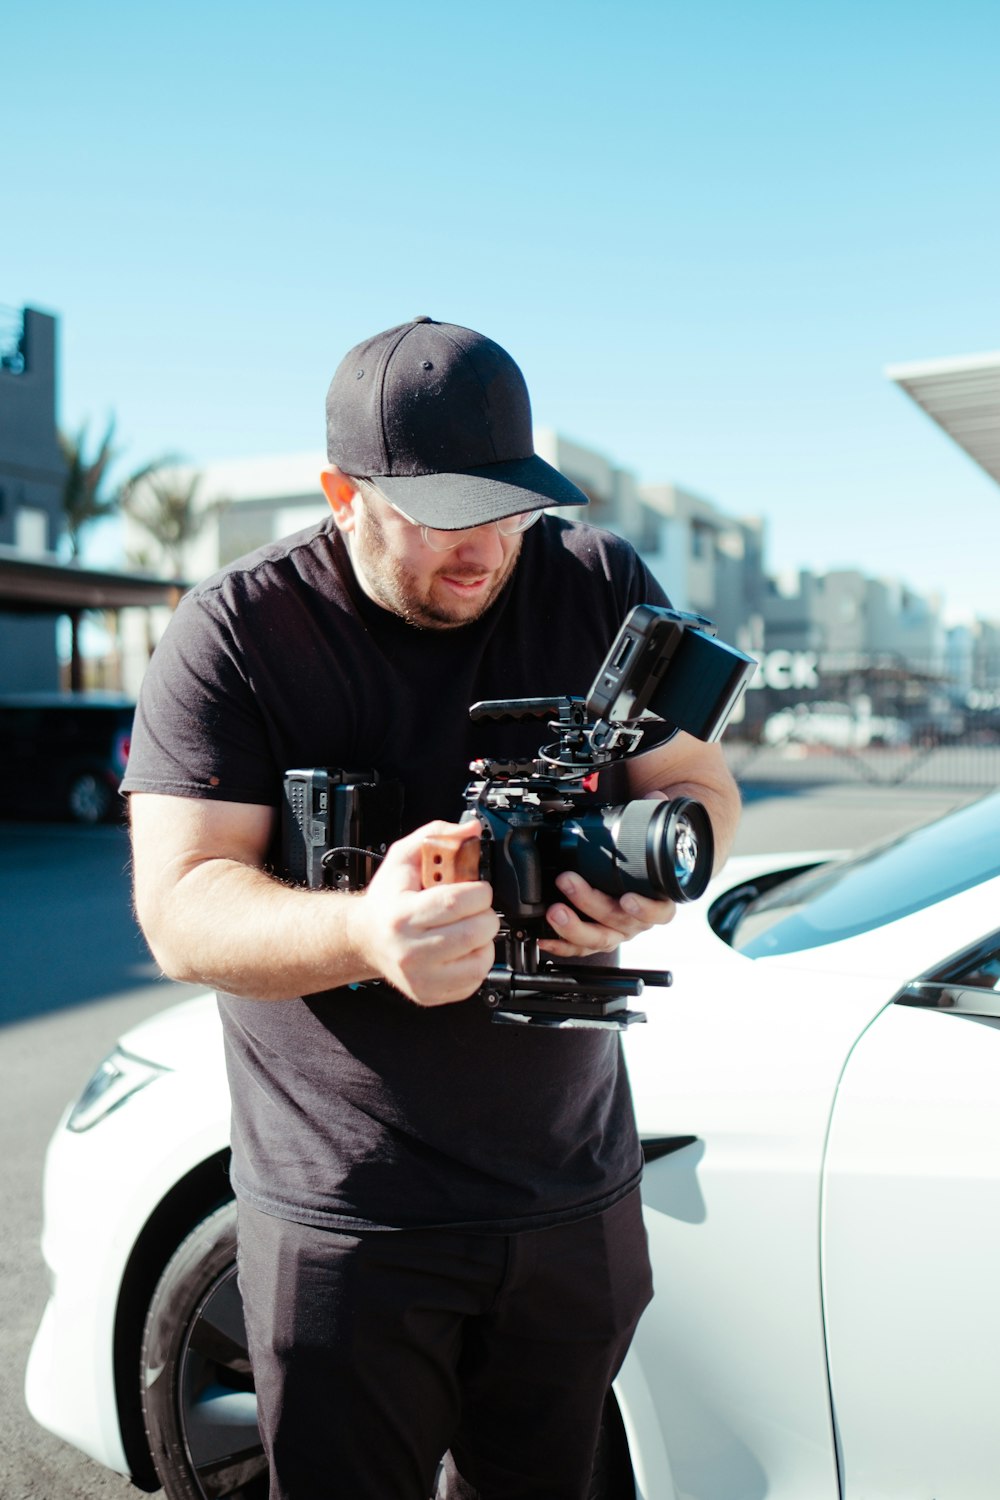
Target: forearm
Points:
(686, 768)
(232, 927)
(723, 808)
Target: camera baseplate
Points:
(561, 996)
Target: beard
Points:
(401, 589)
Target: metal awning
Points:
(36, 586)
(962, 396)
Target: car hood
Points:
(174, 1038)
(895, 951)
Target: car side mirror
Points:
(960, 1000)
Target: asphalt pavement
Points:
(778, 816)
(75, 973)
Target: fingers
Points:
(430, 979)
(428, 945)
(597, 922)
(434, 945)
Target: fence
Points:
(965, 766)
(882, 721)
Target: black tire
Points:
(89, 799)
(194, 1359)
(197, 1390)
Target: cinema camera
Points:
(546, 815)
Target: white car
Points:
(819, 1098)
(840, 726)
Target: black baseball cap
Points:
(439, 417)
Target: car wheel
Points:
(197, 1390)
(89, 799)
(197, 1387)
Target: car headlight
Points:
(119, 1076)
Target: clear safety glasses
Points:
(439, 540)
(445, 541)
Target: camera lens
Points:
(661, 849)
(680, 848)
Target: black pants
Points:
(375, 1352)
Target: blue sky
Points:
(703, 230)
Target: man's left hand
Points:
(592, 922)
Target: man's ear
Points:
(340, 493)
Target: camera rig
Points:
(529, 814)
(545, 815)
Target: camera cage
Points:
(664, 665)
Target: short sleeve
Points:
(199, 730)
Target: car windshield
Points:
(835, 901)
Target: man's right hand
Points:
(434, 945)
(213, 916)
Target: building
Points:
(36, 589)
(31, 477)
(845, 613)
(613, 492)
(708, 562)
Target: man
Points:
(441, 1245)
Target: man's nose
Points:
(482, 546)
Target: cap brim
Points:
(473, 497)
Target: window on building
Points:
(701, 540)
(292, 518)
(598, 512)
(31, 529)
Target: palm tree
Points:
(86, 498)
(165, 503)
(83, 503)
(82, 497)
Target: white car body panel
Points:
(138, 1162)
(744, 1391)
(84, 1413)
(650, 1461)
(912, 1306)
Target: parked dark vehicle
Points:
(63, 755)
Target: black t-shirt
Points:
(355, 1107)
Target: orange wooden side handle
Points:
(447, 859)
